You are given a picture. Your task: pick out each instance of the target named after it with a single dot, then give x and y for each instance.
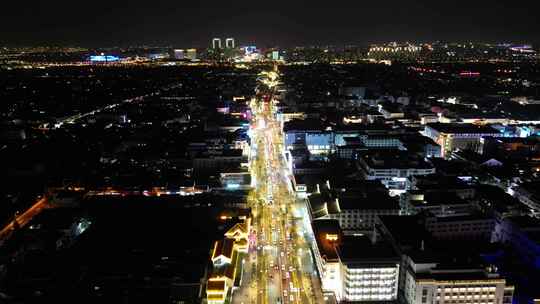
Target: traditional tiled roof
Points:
(223, 248)
(237, 231)
(215, 285)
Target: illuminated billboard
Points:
(250, 49)
(104, 58)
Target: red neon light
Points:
(469, 73)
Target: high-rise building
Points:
(431, 275)
(229, 43)
(429, 282)
(353, 268)
(216, 43)
(191, 54)
(179, 54)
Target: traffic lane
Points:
(23, 219)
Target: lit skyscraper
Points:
(229, 43)
(216, 43)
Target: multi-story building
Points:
(324, 139)
(440, 183)
(351, 149)
(452, 136)
(352, 268)
(437, 276)
(356, 212)
(327, 235)
(421, 145)
(179, 54)
(431, 283)
(191, 54)
(393, 168)
(216, 43)
(355, 207)
(310, 133)
(229, 43)
(382, 142)
(439, 204)
(227, 256)
(359, 212)
(468, 227)
(370, 272)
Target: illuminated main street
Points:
(22, 219)
(279, 268)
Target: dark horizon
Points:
(167, 22)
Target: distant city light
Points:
(469, 73)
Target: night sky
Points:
(267, 23)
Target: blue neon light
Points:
(250, 49)
(104, 58)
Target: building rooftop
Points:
(452, 167)
(359, 250)
(365, 129)
(322, 204)
(304, 125)
(408, 232)
(223, 248)
(367, 201)
(394, 159)
(309, 180)
(437, 198)
(424, 256)
(457, 275)
(437, 181)
(328, 235)
(311, 165)
(344, 184)
(453, 128)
